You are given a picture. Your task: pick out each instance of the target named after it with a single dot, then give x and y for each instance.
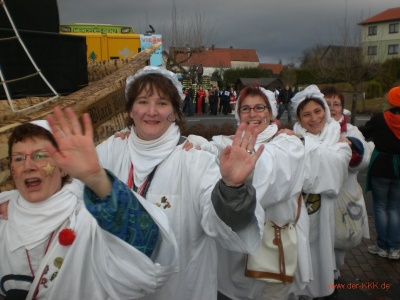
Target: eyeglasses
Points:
(257, 108)
(36, 156)
(334, 104)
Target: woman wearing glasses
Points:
(278, 179)
(52, 248)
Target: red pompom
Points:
(66, 237)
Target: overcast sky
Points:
(276, 29)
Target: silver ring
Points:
(251, 152)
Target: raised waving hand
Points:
(237, 161)
(76, 153)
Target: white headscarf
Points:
(42, 123)
(151, 70)
(313, 92)
(272, 102)
(330, 134)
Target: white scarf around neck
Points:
(329, 135)
(30, 224)
(146, 155)
(267, 134)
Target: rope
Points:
(4, 82)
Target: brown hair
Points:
(29, 131)
(160, 84)
(331, 91)
(253, 89)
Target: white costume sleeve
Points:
(279, 170)
(111, 155)
(325, 166)
(204, 144)
(6, 196)
(207, 175)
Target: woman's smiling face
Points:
(335, 107)
(312, 117)
(260, 119)
(152, 114)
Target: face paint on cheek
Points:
(48, 169)
(170, 118)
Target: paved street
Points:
(364, 276)
(211, 119)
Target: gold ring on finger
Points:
(251, 152)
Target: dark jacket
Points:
(285, 96)
(386, 143)
(213, 97)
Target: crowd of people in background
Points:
(209, 101)
(176, 217)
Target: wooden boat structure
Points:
(103, 99)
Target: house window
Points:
(372, 30)
(393, 49)
(394, 28)
(372, 50)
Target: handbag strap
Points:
(298, 209)
(297, 214)
(278, 242)
(281, 262)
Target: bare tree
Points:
(343, 62)
(187, 34)
(288, 75)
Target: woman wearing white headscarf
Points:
(278, 180)
(327, 157)
(351, 195)
(203, 209)
(52, 248)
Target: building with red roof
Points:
(274, 68)
(381, 35)
(224, 58)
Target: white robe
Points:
(278, 180)
(326, 164)
(96, 266)
(352, 182)
(351, 186)
(186, 179)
